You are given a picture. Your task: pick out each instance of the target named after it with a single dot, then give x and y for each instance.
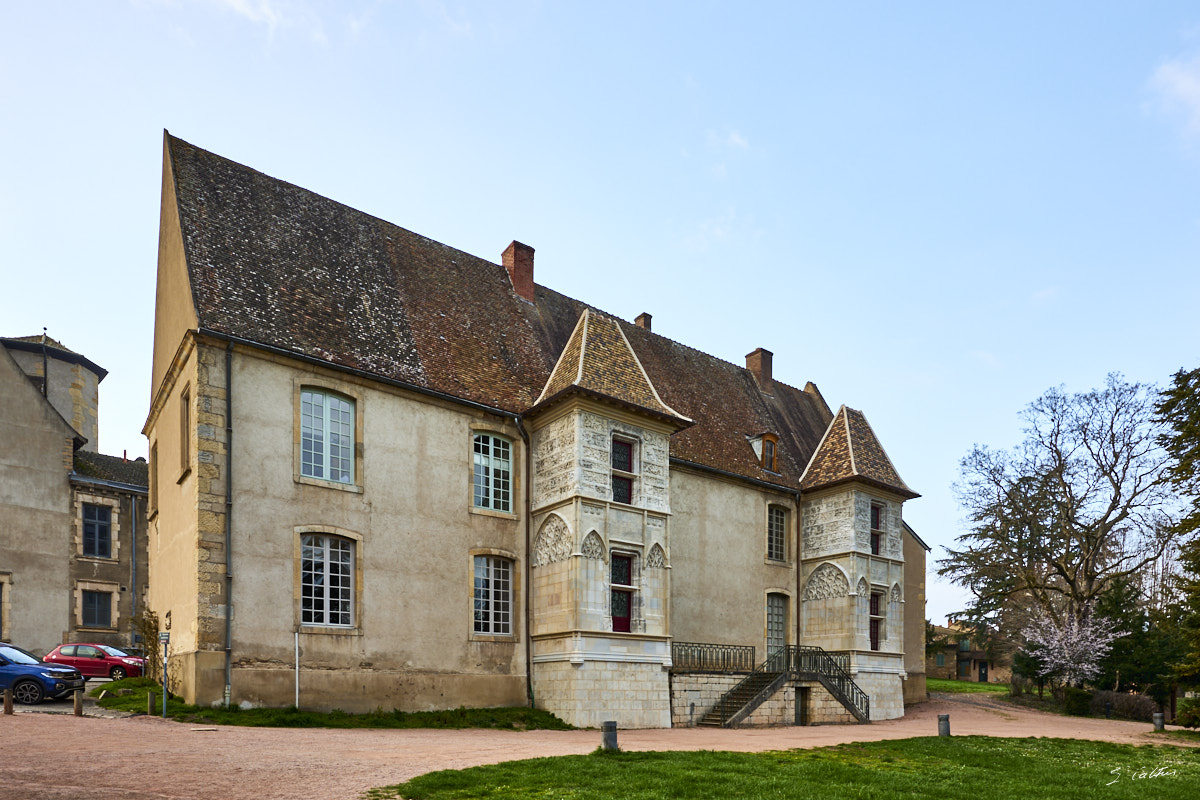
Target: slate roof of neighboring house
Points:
(112, 468)
(281, 266)
(598, 360)
(850, 451)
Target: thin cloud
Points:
(1043, 296)
(728, 141)
(1176, 83)
(278, 14)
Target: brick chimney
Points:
(759, 364)
(518, 260)
(643, 320)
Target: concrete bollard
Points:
(8, 701)
(78, 698)
(1158, 720)
(150, 697)
(1108, 710)
(943, 724)
(608, 739)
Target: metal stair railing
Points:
(734, 705)
(815, 662)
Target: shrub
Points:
(1188, 713)
(1076, 701)
(1126, 705)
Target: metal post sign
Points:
(164, 638)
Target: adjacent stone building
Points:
(73, 563)
(387, 473)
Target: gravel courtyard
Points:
(54, 756)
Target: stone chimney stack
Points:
(643, 320)
(759, 364)
(518, 260)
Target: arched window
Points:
(326, 436)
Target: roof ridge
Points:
(850, 437)
(650, 383)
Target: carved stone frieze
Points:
(553, 541)
(825, 582)
(593, 546)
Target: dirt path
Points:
(57, 756)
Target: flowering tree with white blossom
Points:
(1072, 649)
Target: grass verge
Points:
(1031, 769)
(499, 718)
(964, 687)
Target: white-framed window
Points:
(492, 472)
(326, 436)
(493, 596)
(777, 519)
(327, 570)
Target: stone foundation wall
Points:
(633, 694)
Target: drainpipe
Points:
(133, 564)
(228, 521)
(528, 561)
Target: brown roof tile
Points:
(278, 265)
(112, 468)
(851, 451)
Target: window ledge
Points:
(330, 630)
(777, 562)
(344, 487)
(499, 638)
(183, 476)
(491, 512)
(98, 559)
(92, 628)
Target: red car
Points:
(97, 661)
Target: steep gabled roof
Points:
(277, 265)
(33, 344)
(598, 360)
(849, 451)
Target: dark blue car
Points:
(33, 680)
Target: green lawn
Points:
(502, 718)
(943, 685)
(1030, 769)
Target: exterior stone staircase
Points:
(788, 663)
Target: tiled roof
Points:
(33, 344)
(112, 468)
(278, 265)
(850, 451)
(598, 359)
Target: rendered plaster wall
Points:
(415, 534)
(72, 389)
(720, 575)
(35, 501)
(914, 620)
(176, 546)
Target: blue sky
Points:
(934, 211)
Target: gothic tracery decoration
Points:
(863, 588)
(657, 558)
(593, 547)
(897, 596)
(553, 542)
(825, 582)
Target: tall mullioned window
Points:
(493, 473)
(326, 436)
(777, 533)
(623, 468)
(493, 595)
(97, 531)
(876, 528)
(326, 580)
(97, 609)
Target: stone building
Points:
(387, 473)
(961, 655)
(73, 563)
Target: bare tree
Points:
(1084, 499)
